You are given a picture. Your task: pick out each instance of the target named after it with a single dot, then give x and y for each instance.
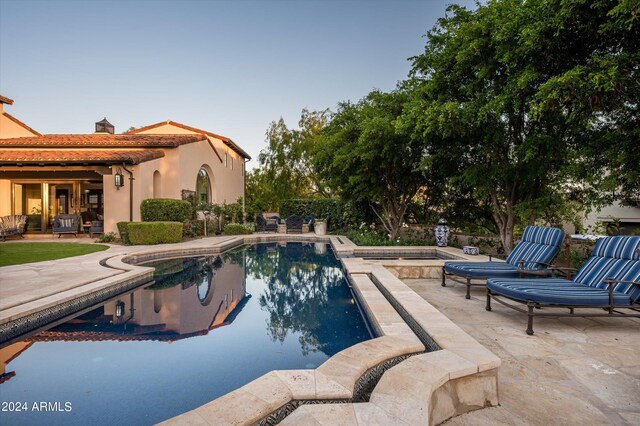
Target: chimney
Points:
(104, 127)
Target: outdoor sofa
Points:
(12, 225)
(66, 224)
(609, 280)
(532, 256)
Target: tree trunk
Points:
(505, 219)
(392, 217)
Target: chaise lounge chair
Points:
(609, 279)
(532, 256)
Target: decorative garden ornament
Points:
(442, 233)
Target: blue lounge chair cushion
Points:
(538, 244)
(614, 258)
(556, 291)
(482, 269)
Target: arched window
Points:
(203, 187)
(157, 185)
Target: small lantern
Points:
(119, 178)
(119, 309)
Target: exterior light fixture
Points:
(119, 178)
(119, 309)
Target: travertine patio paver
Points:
(571, 371)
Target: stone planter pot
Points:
(320, 228)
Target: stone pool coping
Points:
(415, 387)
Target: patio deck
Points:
(572, 371)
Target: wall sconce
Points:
(119, 178)
(119, 309)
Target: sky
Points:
(229, 67)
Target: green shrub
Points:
(237, 229)
(193, 228)
(166, 210)
(106, 238)
(145, 233)
(366, 237)
(124, 232)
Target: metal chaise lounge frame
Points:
(532, 256)
(609, 280)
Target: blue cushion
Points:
(612, 258)
(538, 244)
(556, 291)
(482, 269)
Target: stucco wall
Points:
(183, 163)
(5, 197)
(613, 212)
(11, 129)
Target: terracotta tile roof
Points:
(5, 100)
(20, 123)
(14, 157)
(231, 144)
(102, 140)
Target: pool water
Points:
(207, 326)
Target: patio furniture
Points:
(12, 225)
(66, 224)
(609, 280)
(532, 256)
(266, 225)
(309, 221)
(294, 224)
(97, 227)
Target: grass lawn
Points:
(15, 254)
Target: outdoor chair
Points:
(266, 225)
(97, 227)
(532, 256)
(309, 220)
(294, 224)
(66, 224)
(12, 225)
(609, 279)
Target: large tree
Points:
(368, 158)
(515, 89)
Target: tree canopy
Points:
(517, 111)
(366, 157)
(519, 92)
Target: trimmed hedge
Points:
(166, 210)
(237, 229)
(124, 232)
(146, 233)
(319, 208)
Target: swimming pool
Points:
(206, 326)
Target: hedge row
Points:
(166, 210)
(124, 232)
(237, 229)
(145, 233)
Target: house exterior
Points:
(42, 176)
